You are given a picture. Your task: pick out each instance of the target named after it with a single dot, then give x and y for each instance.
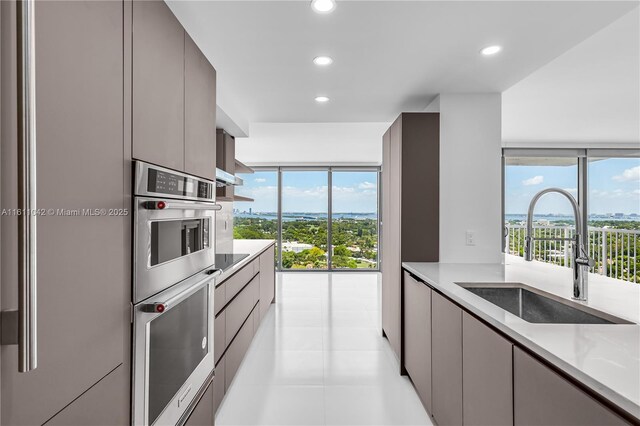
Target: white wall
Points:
(470, 177)
(312, 143)
(587, 97)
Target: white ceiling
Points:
(389, 56)
(588, 96)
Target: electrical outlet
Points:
(471, 238)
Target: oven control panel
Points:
(153, 180)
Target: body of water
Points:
(288, 217)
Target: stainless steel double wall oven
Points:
(173, 282)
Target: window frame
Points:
(582, 155)
(329, 169)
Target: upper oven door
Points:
(172, 241)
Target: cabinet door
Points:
(446, 360)
(103, 404)
(83, 290)
(236, 350)
(417, 336)
(203, 413)
(218, 385)
(158, 85)
(199, 112)
(543, 397)
(487, 375)
(392, 302)
(219, 335)
(267, 280)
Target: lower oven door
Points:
(172, 350)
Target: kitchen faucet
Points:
(581, 262)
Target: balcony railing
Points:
(613, 250)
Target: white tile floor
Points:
(319, 359)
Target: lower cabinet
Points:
(543, 397)
(267, 280)
(218, 385)
(236, 350)
(487, 379)
(106, 403)
(446, 361)
(417, 337)
(203, 413)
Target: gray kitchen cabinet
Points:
(219, 335)
(83, 288)
(225, 160)
(487, 365)
(199, 112)
(410, 197)
(446, 360)
(236, 351)
(158, 85)
(203, 413)
(218, 385)
(417, 336)
(238, 310)
(103, 404)
(267, 280)
(543, 397)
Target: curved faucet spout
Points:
(580, 262)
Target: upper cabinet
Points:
(199, 113)
(174, 94)
(158, 85)
(226, 160)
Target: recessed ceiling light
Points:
(322, 99)
(323, 6)
(491, 50)
(322, 60)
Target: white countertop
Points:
(606, 358)
(251, 247)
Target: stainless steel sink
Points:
(537, 306)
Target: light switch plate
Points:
(471, 238)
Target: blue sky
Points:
(353, 192)
(614, 187)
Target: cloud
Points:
(367, 185)
(260, 180)
(536, 180)
(632, 174)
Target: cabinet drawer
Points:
(543, 397)
(256, 320)
(234, 284)
(236, 351)
(219, 298)
(239, 309)
(219, 335)
(218, 385)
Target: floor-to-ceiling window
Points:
(606, 183)
(324, 218)
(354, 219)
(304, 219)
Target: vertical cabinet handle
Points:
(27, 273)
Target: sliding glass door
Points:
(324, 218)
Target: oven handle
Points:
(161, 307)
(167, 205)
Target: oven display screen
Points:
(162, 182)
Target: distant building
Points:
(619, 215)
(250, 210)
(295, 246)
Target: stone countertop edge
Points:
(530, 335)
(253, 248)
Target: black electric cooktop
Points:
(225, 261)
